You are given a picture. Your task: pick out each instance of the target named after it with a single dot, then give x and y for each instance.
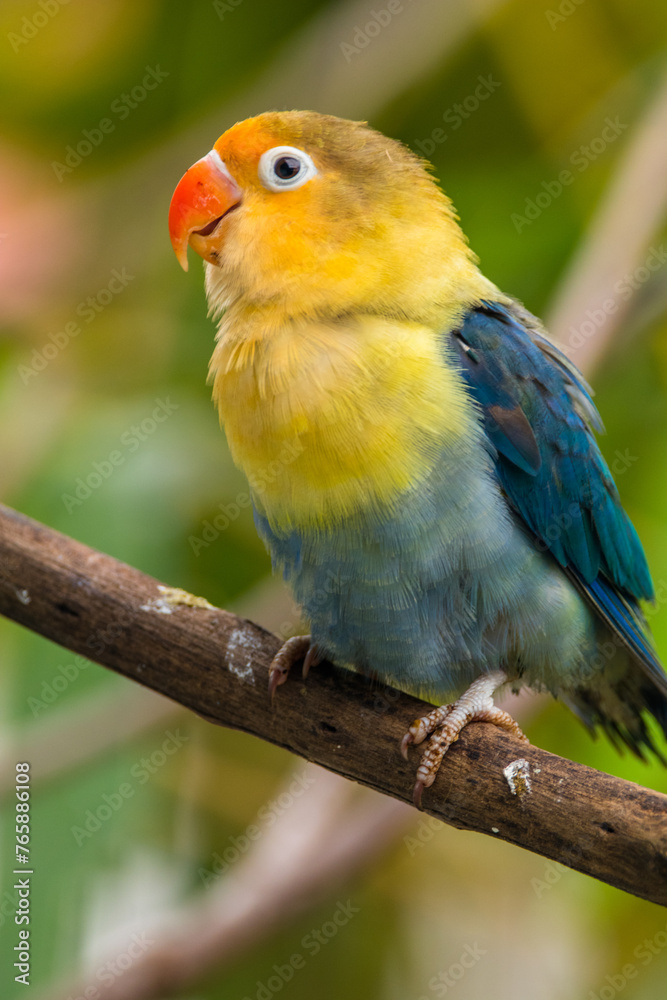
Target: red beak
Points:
(205, 193)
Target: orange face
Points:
(301, 214)
(247, 167)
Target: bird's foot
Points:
(299, 647)
(445, 724)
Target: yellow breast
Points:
(327, 419)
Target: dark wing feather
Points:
(539, 419)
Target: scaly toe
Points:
(445, 724)
(295, 649)
(423, 727)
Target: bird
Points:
(422, 459)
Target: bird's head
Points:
(313, 215)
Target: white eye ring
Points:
(269, 164)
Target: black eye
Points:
(287, 167)
(284, 168)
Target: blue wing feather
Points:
(539, 419)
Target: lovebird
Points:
(436, 500)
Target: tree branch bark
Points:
(215, 664)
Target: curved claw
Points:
(417, 793)
(407, 740)
(311, 659)
(421, 728)
(276, 678)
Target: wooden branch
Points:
(215, 664)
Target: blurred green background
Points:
(104, 107)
